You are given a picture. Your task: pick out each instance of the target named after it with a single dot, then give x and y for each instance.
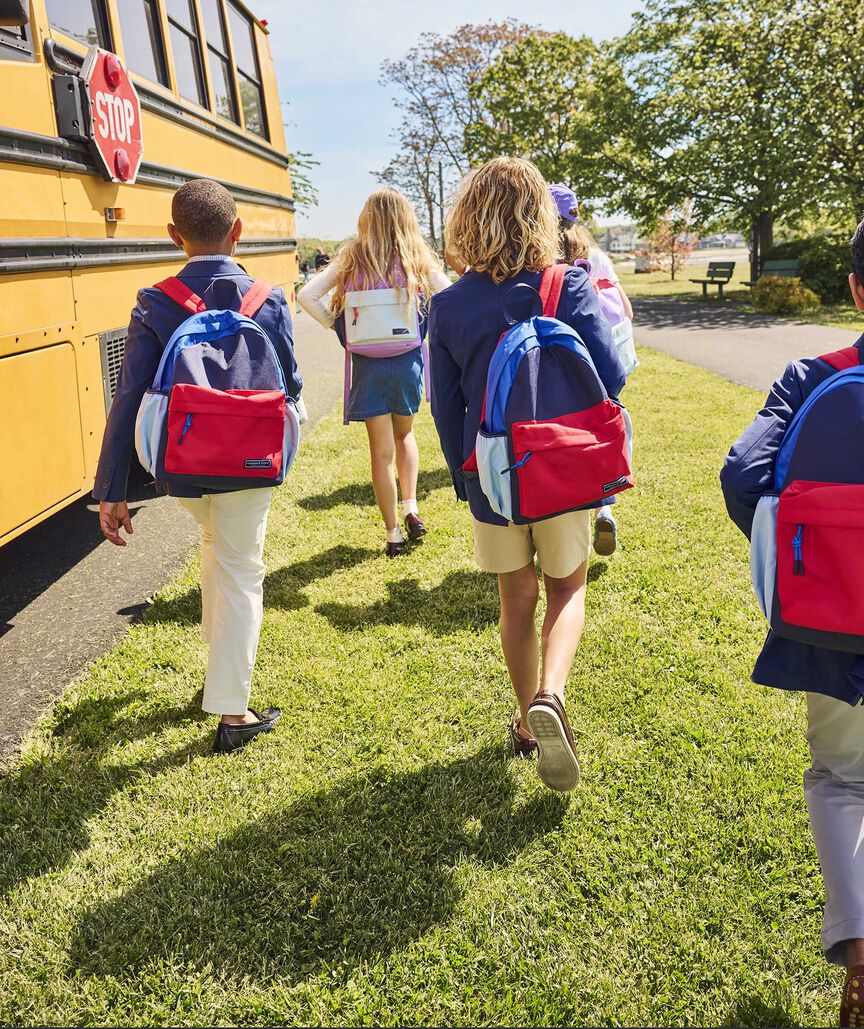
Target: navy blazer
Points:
(748, 473)
(466, 320)
(221, 284)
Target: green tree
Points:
(697, 104)
(433, 84)
(826, 79)
(537, 100)
(300, 164)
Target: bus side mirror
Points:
(14, 12)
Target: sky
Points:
(328, 56)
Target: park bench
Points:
(786, 269)
(719, 275)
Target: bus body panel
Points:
(69, 274)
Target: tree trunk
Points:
(430, 207)
(761, 240)
(766, 232)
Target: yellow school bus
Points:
(75, 247)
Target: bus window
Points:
(248, 74)
(15, 44)
(142, 39)
(187, 51)
(84, 20)
(220, 62)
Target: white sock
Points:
(605, 512)
(409, 507)
(395, 535)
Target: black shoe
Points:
(521, 747)
(235, 737)
(414, 527)
(396, 549)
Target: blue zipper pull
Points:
(798, 550)
(185, 428)
(518, 464)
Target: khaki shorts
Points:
(561, 544)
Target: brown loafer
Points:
(414, 527)
(852, 1004)
(557, 764)
(396, 549)
(521, 747)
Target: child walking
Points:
(578, 245)
(821, 574)
(233, 524)
(504, 228)
(385, 392)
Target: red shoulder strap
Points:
(840, 360)
(551, 284)
(181, 294)
(254, 299)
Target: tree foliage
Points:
(536, 100)
(433, 84)
(304, 191)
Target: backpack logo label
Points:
(401, 332)
(609, 486)
(258, 462)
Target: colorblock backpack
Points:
(612, 307)
(551, 440)
(381, 323)
(807, 543)
(217, 415)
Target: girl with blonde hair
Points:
(385, 392)
(504, 228)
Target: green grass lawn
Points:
(379, 860)
(659, 284)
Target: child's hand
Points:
(111, 517)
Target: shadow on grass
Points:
(463, 600)
(757, 1011)
(283, 587)
(360, 494)
(340, 876)
(47, 802)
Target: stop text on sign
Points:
(115, 117)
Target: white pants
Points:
(834, 789)
(233, 526)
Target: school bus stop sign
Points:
(115, 116)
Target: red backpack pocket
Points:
(571, 461)
(236, 433)
(820, 556)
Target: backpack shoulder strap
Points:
(840, 360)
(551, 284)
(182, 295)
(255, 298)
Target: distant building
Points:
(621, 239)
(722, 240)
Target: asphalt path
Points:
(67, 596)
(750, 349)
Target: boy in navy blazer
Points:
(832, 679)
(205, 225)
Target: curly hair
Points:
(504, 220)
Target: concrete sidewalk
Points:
(67, 595)
(747, 348)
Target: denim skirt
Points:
(385, 385)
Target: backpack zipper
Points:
(185, 428)
(798, 551)
(518, 464)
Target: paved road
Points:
(747, 348)
(67, 596)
